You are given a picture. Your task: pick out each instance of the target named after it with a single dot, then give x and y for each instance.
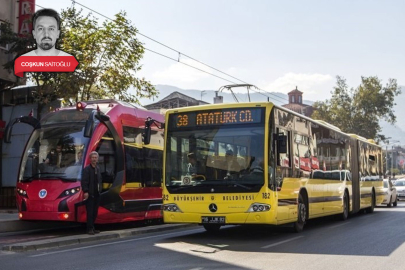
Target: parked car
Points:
(400, 186)
(390, 193)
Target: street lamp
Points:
(392, 155)
(202, 93)
(387, 143)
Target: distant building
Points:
(174, 100)
(295, 103)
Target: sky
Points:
(274, 45)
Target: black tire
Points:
(389, 204)
(212, 228)
(345, 213)
(371, 208)
(395, 203)
(298, 226)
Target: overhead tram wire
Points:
(180, 53)
(190, 66)
(276, 97)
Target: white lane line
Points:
(112, 243)
(335, 226)
(282, 242)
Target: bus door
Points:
(355, 176)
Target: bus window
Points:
(284, 159)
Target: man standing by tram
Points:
(91, 187)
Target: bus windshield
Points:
(220, 159)
(54, 152)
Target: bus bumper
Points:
(230, 219)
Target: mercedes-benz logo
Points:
(213, 207)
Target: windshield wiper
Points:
(47, 175)
(239, 185)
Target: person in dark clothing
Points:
(91, 187)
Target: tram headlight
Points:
(171, 207)
(259, 207)
(22, 192)
(69, 192)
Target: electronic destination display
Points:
(221, 117)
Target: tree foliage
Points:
(359, 110)
(108, 54)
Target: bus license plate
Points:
(213, 220)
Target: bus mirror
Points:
(147, 131)
(146, 135)
(282, 144)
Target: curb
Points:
(82, 239)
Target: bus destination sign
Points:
(217, 117)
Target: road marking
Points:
(282, 242)
(112, 243)
(335, 226)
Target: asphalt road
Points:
(364, 241)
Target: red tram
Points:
(48, 185)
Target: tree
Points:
(359, 110)
(108, 56)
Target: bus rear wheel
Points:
(212, 227)
(371, 208)
(298, 226)
(345, 213)
(389, 204)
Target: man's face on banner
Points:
(46, 32)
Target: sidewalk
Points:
(85, 238)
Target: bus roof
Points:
(266, 104)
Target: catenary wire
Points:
(276, 97)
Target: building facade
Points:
(295, 103)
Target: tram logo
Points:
(213, 207)
(42, 193)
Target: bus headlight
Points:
(171, 207)
(69, 192)
(22, 192)
(259, 207)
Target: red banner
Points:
(26, 10)
(44, 64)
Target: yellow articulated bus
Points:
(257, 163)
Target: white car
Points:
(400, 186)
(390, 193)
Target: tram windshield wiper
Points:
(48, 175)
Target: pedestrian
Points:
(46, 31)
(91, 187)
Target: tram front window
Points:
(54, 153)
(223, 159)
